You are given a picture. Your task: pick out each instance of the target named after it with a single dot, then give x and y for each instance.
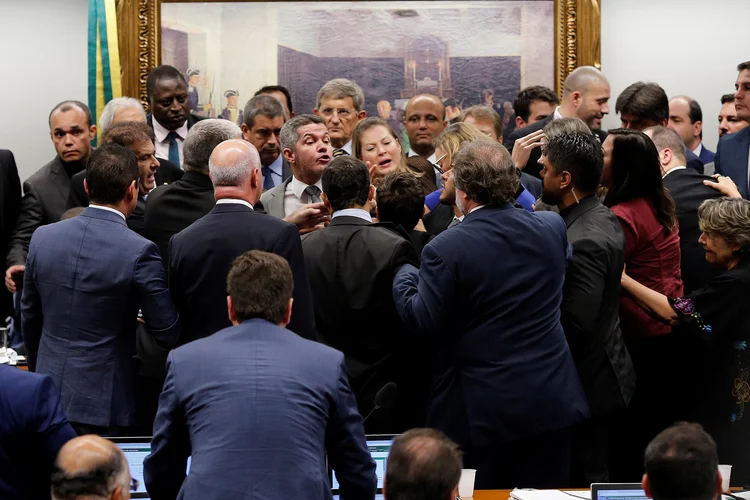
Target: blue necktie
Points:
(267, 180)
(174, 148)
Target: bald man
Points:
(585, 96)
(200, 256)
(424, 121)
(91, 468)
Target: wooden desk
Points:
(492, 494)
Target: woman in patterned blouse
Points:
(715, 323)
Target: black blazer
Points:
(192, 120)
(172, 208)
(200, 258)
(10, 205)
(420, 239)
(45, 199)
(688, 191)
(439, 219)
(591, 304)
(351, 265)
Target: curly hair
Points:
(728, 218)
(484, 170)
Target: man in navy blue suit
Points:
(686, 118)
(732, 152)
(489, 293)
(86, 278)
(33, 428)
(257, 406)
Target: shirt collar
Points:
(477, 208)
(276, 166)
(347, 147)
(698, 150)
(557, 115)
(298, 187)
(353, 212)
(672, 170)
(161, 133)
(108, 209)
(234, 201)
(432, 158)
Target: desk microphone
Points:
(385, 398)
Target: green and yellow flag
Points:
(104, 56)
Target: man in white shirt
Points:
(686, 118)
(170, 115)
(424, 121)
(340, 103)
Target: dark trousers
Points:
(589, 462)
(539, 462)
(82, 429)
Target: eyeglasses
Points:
(437, 164)
(134, 484)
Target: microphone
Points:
(385, 398)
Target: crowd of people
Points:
(550, 302)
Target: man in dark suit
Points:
(686, 118)
(643, 105)
(488, 294)
(687, 188)
(401, 202)
(264, 117)
(170, 115)
(585, 96)
(732, 152)
(351, 264)
(446, 214)
(10, 205)
(46, 192)
(573, 166)
(172, 208)
(33, 428)
(200, 256)
(86, 280)
(265, 418)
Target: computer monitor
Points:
(617, 491)
(380, 447)
(136, 449)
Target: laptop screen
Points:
(622, 491)
(380, 448)
(136, 450)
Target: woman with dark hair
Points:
(714, 385)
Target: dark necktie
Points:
(174, 148)
(455, 222)
(267, 179)
(313, 192)
(339, 152)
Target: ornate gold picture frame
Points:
(577, 39)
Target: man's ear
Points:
(361, 115)
(371, 193)
(565, 179)
(647, 487)
(697, 128)
(288, 155)
(132, 191)
(92, 132)
(326, 202)
(576, 97)
(315, 112)
(230, 310)
(244, 131)
(519, 124)
(86, 186)
(288, 315)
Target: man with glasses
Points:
(340, 104)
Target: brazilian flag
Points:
(104, 56)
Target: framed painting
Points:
(465, 51)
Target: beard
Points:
(550, 198)
(460, 205)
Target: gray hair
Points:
(262, 105)
(115, 105)
(664, 137)
(728, 218)
(341, 88)
(484, 170)
(290, 131)
(237, 173)
(98, 482)
(203, 137)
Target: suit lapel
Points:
(62, 181)
(275, 204)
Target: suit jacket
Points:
(86, 278)
(33, 428)
(688, 191)
(10, 205)
(257, 433)
(420, 239)
(439, 219)
(273, 199)
(201, 256)
(45, 198)
(351, 264)
(731, 158)
(706, 156)
(191, 120)
(532, 184)
(172, 208)
(693, 161)
(591, 305)
(488, 295)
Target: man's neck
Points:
(121, 207)
(340, 143)
(309, 178)
(665, 169)
(567, 110)
(572, 197)
(694, 145)
(73, 167)
(234, 193)
(424, 151)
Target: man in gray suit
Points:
(306, 145)
(260, 423)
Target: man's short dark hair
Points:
(346, 183)
(727, 98)
(743, 66)
(581, 155)
(522, 104)
(111, 170)
(645, 101)
(128, 134)
(681, 462)
(262, 105)
(400, 200)
(278, 88)
(423, 465)
(163, 72)
(484, 170)
(98, 482)
(289, 136)
(260, 285)
(66, 106)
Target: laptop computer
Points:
(617, 491)
(136, 449)
(380, 447)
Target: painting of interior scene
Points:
(467, 52)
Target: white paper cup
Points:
(726, 473)
(466, 483)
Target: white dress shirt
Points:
(295, 196)
(697, 151)
(556, 115)
(108, 209)
(353, 212)
(347, 147)
(162, 142)
(235, 201)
